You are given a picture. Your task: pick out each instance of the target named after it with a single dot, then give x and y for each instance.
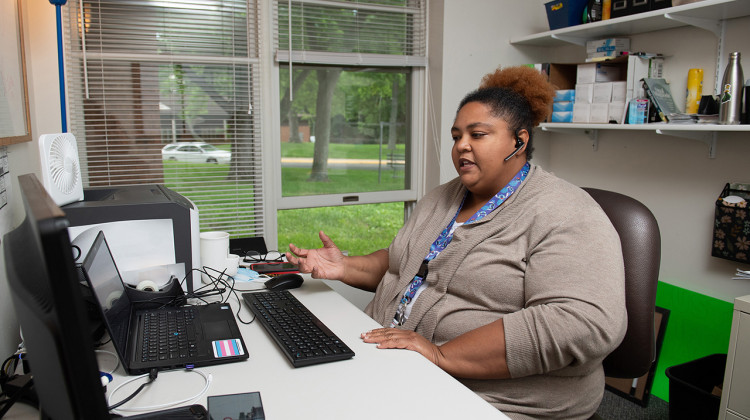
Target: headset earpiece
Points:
(519, 146)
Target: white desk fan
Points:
(61, 170)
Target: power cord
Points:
(218, 287)
(207, 377)
(151, 378)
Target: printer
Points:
(152, 231)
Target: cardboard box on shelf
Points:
(599, 113)
(617, 111)
(611, 46)
(602, 93)
(581, 112)
(606, 71)
(619, 91)
(624, 72)
(584, 93)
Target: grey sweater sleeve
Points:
(575, 299)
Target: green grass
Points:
(359, 229)
(338, 151)
(294, 181)
(206, 185)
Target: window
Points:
(350, 77)
(167, 92)
(363, 148)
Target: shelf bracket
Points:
(711, 25)
(570, 39)
(704, 137)
(592, 134)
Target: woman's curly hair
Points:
(520, 95)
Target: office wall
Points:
(674, 177)
(41, 56)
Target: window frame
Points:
(272, 144)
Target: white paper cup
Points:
(214, 253)
(232, 263)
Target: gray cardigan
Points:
(547, 261)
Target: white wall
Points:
(41, 61)
(674, 177)
(475, 38)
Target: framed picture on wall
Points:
(15, 126)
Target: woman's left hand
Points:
(394, 338)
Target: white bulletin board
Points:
(14, 103)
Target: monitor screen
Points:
(45, 291)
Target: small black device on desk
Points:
(284, 281)
(302, 337)
(274, 268)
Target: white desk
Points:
(375, 384)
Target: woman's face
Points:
(481, 142)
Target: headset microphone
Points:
(519, 146)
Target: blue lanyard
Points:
(446, 236)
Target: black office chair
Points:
(641, 251)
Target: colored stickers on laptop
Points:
(227, 348)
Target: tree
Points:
(286, 105)
(327, 80)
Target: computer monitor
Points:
(46, 294)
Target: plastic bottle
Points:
(638, 110)
(694, 90)
(730, 97)
(606, 9)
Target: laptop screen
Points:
(106, 283)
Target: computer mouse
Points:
(284, 281)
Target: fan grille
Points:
(64, 168)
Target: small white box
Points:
(581, 112)
(599, 113)
(608, 44)
(602, 93)
(607, 73)
(619, 91)
(640, 67)
(617, 111)
(584, 93)
(586, 73)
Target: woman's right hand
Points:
(327, 262)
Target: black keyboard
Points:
(303, 338)
(168, 334)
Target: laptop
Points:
(161, 338)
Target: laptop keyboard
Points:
(168, 335)
(302, 337)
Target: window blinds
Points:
(366, 33)
(142, 74)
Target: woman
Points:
(508, 278)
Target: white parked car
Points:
(195, 152)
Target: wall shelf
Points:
(705, 14)
(705, 133)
